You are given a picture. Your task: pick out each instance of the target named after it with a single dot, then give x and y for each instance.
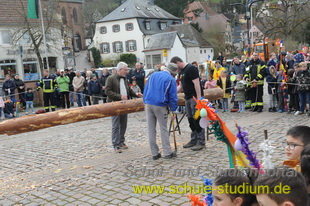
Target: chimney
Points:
(151, 2)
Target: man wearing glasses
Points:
(255, 74)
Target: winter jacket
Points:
(238, 69)
(161, 90)
(271, 83)
(8, 107)
(94, 87)
(63, 83)
(10, 85)
(113, 90)
(102, 82)
(228, 84)
(303, 78)
(29, 96)
(19, 83)
(240, 91)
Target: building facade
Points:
(128, 28)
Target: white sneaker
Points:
(26, 113)
(298, 113)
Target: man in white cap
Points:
(160, 92)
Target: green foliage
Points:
(130, 59)
(197, 27)
(96, 55)
(107, 63)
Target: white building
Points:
(128, 28)
(181, 40)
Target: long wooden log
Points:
(35, 122)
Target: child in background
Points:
(8, 108)
(224, 83)
(211, 83)
(296, 195)
(303, 80)
(280, 92)
(203, 80)
(296, 139)
(29, 100)
(272, 79)
(240, 93)
(292, 91)
(1, 106)
(232, 178)
(135, 87)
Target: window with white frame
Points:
(5, 36)
(104, 48)
(103, 30)
(116, 28)
(148, 25)
(131, 45)
(129, 26)
(117, 47)
(163, 25)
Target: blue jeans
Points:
(29, 104)
(225, 103)
(71, 98)
(304, 98)
(0, 111)
(80, 98)
(9, 115)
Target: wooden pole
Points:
(66, 116)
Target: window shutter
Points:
(108, 47)
(135, 45)
(127, 46)
(114, 49)
(121, 43)
(101, 48)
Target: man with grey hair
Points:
(117, 89)
(159, 93)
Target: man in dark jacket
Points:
(94, 89)
(139, 75)
(105, 75)
(9, 87)
(117, 89)
(20, 85)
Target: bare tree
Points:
(31, 28)
(94, 10)
(284, 19)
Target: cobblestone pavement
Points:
(75, 164)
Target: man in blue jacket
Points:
(94, 89)
(160, 92)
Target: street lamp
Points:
(247, 10)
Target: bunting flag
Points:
(33, 9)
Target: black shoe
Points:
(270, 109)
(157, 156)
(172, 155)
(274, 109)
(254, 109)
(188, 145)
(259, 110)
(198, 147)
(117, 150)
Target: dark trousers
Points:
(294, 102)
(256, 96)
(22, 98)
(64, 96)
(49, 100)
